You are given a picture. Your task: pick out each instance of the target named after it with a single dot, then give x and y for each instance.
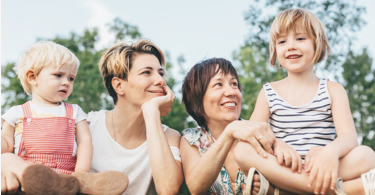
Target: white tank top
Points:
(109, 155)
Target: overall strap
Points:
(27, 109)
(68, 110)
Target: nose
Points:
(291, 45)
(159, 80)
(229, 91)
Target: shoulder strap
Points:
(26, 109)
(69, 110)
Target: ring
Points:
(260, 137)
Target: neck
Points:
(40, 101)
(216, 128)
(128, 121)
(302, 79)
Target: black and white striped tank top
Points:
(302, 127)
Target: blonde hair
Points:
(117, 61)
(40, 55)
(296, 19)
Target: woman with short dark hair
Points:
(212, 96)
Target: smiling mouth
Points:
(232, 104)
(294, 56)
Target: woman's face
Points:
(222, 100)
(145, 79)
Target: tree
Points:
(342, 18)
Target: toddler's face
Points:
(54, 85)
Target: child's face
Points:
(54, 84)
(295, 51)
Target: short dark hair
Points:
(196, 82)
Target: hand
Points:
(323, 170)
(9, 183)
(287, 155)
(258, 134)
(310, 156)
(162, 103)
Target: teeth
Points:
(230, 104)
(293, 57)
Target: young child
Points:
(50, 139)
(305, 113)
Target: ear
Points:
(118, 86)
(31, 77)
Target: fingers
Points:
(299, 163)
(3, 184)
(254, 142)
(265, 143)
(311, 163)
(271, 134)
(334, 180)
(12, 183)
(312, 176)
(169, 92)
(280, 158)
(326, 183)
(319, 182)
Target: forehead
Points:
(145, 60)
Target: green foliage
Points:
(359, 83)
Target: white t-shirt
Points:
(109, 155)
(14, 117)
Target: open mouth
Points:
(63, 91)
(159, 92)
(294, 56)
(231, 104)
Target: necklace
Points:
(113, 128)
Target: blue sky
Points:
(196, 29)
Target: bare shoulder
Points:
(277, 84)
(335, 89)
(173, 137)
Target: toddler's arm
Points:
(7, 138)
(85, 149)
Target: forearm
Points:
(166, 173)
(84, 156)
(4, 145)
(205, 171)
(343, 144)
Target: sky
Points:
(196, 29)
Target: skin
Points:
(324, 165)
(48, 88)
(142, 99)
(201, 171)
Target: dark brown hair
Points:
(196, 82)
(117, 61)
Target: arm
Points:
(166, 171)
(324, 169)
(285, 154)
(7, 138)
(201, 172)
(85, 149)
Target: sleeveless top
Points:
(48, 140)
(302, 127)
(203, 139)
(109, 155)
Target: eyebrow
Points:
(150, 68)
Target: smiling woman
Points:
(212, 96)
(130, 138)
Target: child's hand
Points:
(287, 155)
(323, 170)
(162, 103)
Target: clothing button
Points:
(28, 120)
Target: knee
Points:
(364, 156)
